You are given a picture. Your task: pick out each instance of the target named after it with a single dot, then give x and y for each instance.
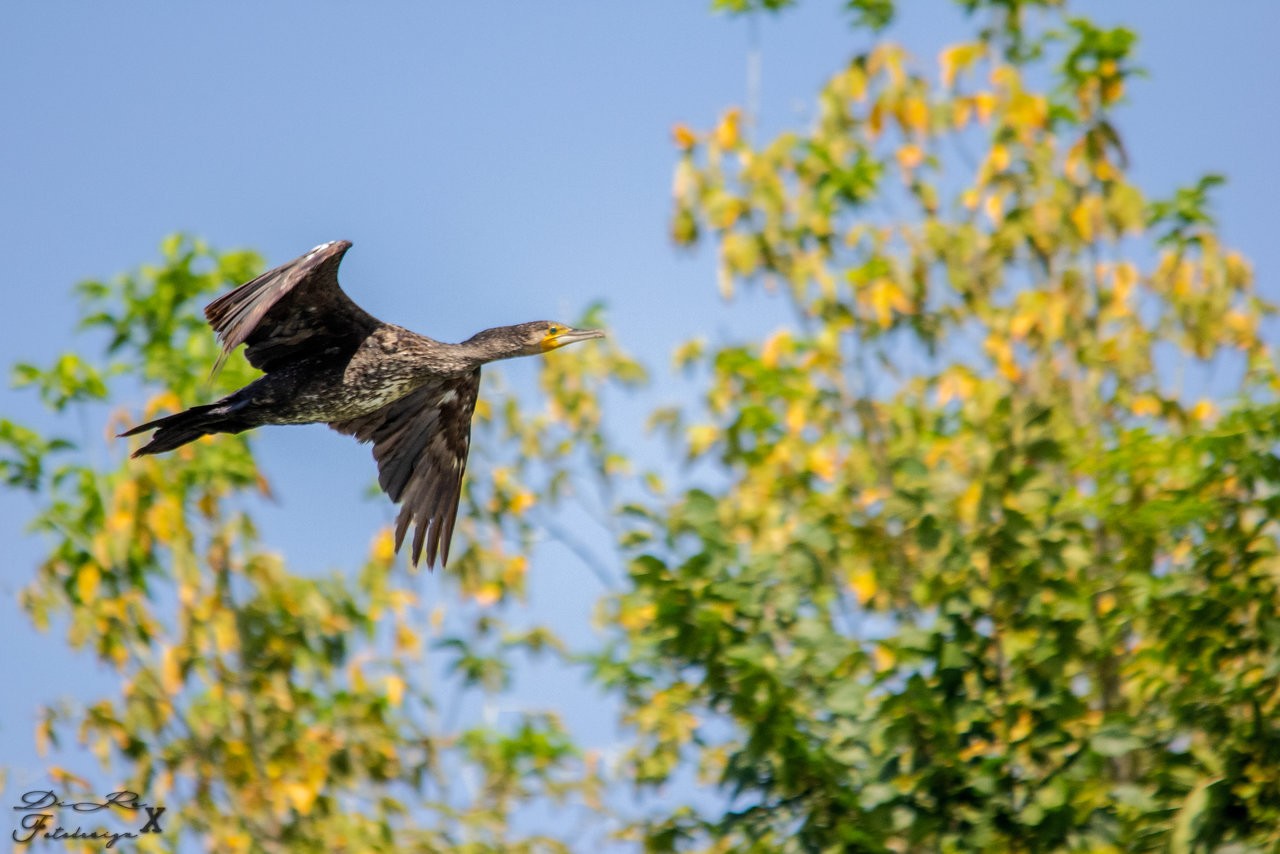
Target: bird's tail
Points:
(173, 431)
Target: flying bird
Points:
(326, 360)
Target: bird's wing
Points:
(292, 312)
(420, 443)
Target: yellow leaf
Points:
(487, 594)
(875, 120)
(1112, 88)
(1005, 77)
(394, 685)
(796, 417)
(165, 401)
(384, 546)
(120, 522)
(1239, 272)
(955, 384)
(1086, 216)
(910, 156)
(914, 115)
(224, 632)
(234, 842)
(1022, 727)
(1001, 351)
(1204, 411)
(701, 438)
(1027, 112)
(740, 254)
(164, 518)
(852, 83)
(44, 737)
(684, 180)
(514, 570)
(727, 213)
(999, 158)
(407, 639)
(170, 672)
(301, 796)
(684, 137)
(64, 777)
(402, 599)
(126, 494)
(773, 348)
(1243, 327)
(1145, 404)
(985, 104)
(356, 674)
(1103, 170)
(1126, 276)
(1021, 324)
(884, 297)
(688, 353)
(634, 618)
(1073, 165)
(863, 585)
(883, 658)
(521, 502)
(1009, 369)
(871, 495)
(967, 504)
(956, 58)
(728, 133)
(993, 205)
(822, 462)
(87, 581)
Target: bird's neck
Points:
(429, 359)
(489, 345)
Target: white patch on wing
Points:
(448, 397)
(321, 247)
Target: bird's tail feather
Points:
(173, 431)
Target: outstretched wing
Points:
(420, 443)
(293, 312)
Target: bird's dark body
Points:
(386, 366)
(327, 361)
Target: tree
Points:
(269, 710)
(975, 552)
(994, 567)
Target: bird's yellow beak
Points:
(559, 336)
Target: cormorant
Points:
(326, 360)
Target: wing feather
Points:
(293, 312)
(420, 443)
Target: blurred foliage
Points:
(268, 709)
(995, 567)
(976, 551)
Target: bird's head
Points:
(530, 339)
(551, 335)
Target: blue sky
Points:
(493, 163)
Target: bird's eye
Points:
(555, 330)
